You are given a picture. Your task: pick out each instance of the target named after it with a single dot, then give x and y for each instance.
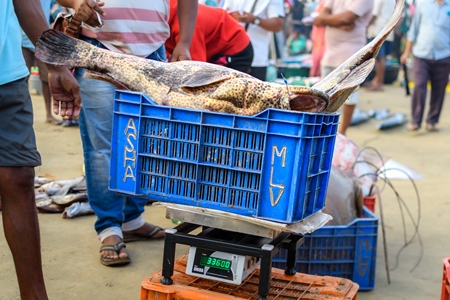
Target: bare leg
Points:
(47, 99)
(21, 227)
(380, 68)
(346, 118)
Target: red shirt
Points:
(215, 33)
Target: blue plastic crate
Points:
(274, 165)
(348, 251)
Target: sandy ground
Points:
(70, 246)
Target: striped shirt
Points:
(137, 27)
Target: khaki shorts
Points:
(353, 99)
(31, 61)
(17, 139)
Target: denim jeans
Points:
(96, 119)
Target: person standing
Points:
(138, 28)
(260, 18)
(18, 152)
(318, 41)
(382, 12)
(217, 38)
(30, 60)
(346, 23)
(430, 33)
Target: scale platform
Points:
(232, 246)
(243, 224)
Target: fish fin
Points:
(104, 77)
(233, 90)
(56, 48)
(204, 77)
(348, 85)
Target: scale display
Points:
(213, 262)
(221, 266)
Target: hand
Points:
(181, 52)
(404, 57)
(87, 12)
(65, 91)
(347, 27)
(245, 17)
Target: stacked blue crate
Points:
(346, 251)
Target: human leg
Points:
(380, 67)
(43, 75)
(21, 227)
(95, 128)
(134, 224)
(347, 112)
(439, 78)
(421, 75)
(28, 56)
(18, 157)
(377, 81)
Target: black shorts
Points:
(17, 139)
(241, 61)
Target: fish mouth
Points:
(307, 103)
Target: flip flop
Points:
(149, 235)
(413, 127)
(432, 128)
(375, 89)
(54, 121)
(114, 261)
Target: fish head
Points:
(302, 98)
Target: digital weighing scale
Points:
(228, 254)
(221, 266)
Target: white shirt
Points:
(260, 38)
(382, 10)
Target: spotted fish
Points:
(346, 78)
(187, 84)
(205, 86)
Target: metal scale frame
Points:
(233, 236)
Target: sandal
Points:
(114, 261)
(413, 127)
(432, 128)
(149, 235)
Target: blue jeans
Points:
(96, 118)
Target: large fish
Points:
(188, 84)
(205, 86)
(346, 78)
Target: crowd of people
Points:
(234, 33)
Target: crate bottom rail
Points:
(232, 242)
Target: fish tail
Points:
(396, 16)
(57, 48)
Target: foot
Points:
(111, 255)
(145, 232)
(413, 127)
(432, 128)
(54, 121)
(69, 123)
(375, 88)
